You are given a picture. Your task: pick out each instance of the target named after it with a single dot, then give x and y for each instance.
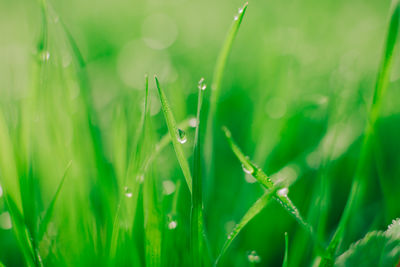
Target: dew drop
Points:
(1, 191)
(128, 192)
(202, 85)
(45, 56)
(172, 225)
(193, 122)
(172, 222)
(236, 18)
(240, 11)
(181, 136)
(283, 192)
(253, 257)
(247, 169)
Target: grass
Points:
(98, 171)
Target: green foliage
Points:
(87, 173)
(377, 248)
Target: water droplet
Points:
(202, 85)
(236, 18)
(45, 56)
(253, 257)
(229, 236)
(247, 169)
(140, 178)
(168, 187)
(193, 122)
(181, 136)
(240, 11)
(249, 179)
(283, 192)
(172, 225)
(5, 221)
(1, 191)
(128, 192)
(172, 222)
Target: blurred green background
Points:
(295, 94)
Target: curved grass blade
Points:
(255, 209)
(49, 212)
(164, 141)
(173, 131)
(20, 230)
(217, 80)
(380, 89)
(196, 222)
(264, 180)
(132, 171)
(285, 258)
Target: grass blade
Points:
(380, 89)
(197, 230)
(173, 131)
(264, 180)
(49, 212)
(255, 209)
(217, 80)
(285, 258)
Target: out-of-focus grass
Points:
(296, 91)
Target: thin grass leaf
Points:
(264, 180)
(217, 81)
(153, 223)
(20, 231)
(197, 228)
(255, 209)
(49, 211)
(285, 257)
(164, 141)
(173, 131)
(380, 88)
(131, 172)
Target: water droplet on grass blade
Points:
(45, 56)
(240, 11)
(236, 17)
(1, 191)
(182, 136)
(253, 257)
(247, 169)
(172, 222)
(128, 192)
(202, 85)
(172, 225)
(193, 122)
(283, 192)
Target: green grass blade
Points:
(164, 141)
(217, 80)
(49, 211)
(222, 59)
(380, 89)
(197, 230)
(285, 258)
(255, 209)
(152, 223)
(173, 131)
(20, 231)
(131, 174)
(264, 180)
